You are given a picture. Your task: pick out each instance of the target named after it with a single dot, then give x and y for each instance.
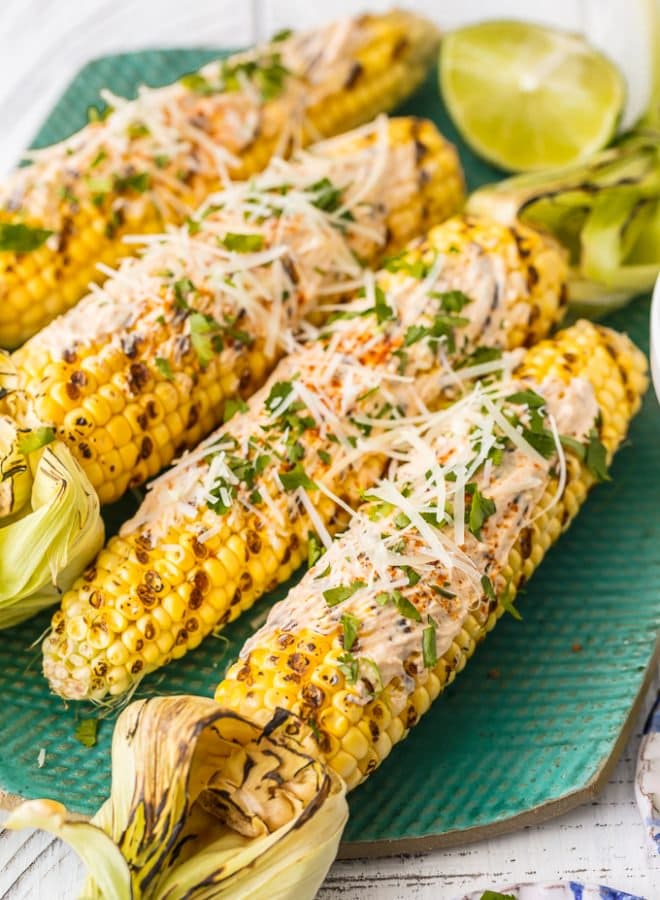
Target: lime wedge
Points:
(527, 97)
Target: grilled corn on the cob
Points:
(362, 646)
(233, 519)
(154, 159)
(144, 366)
(387, 618)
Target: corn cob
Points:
(233, 519)
(332, 681)
(153, 160)
(131, 376)
(362, 672)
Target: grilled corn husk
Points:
(238, 515)
(152, 160)
(145, 366)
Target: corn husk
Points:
(606, 212)
(204, 804)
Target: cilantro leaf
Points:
(242, 243)
(232, 406)
(351, 626)
(596, 457)
(139, 182)
(480, 508)
(349, 666)
(315, 549)
(164, 368)
(86, 731)
(542, 441)
(527, 398)
(342, 592)
(278, 393)
(327, 195)
(451, 301)
(22, 238)
(429, 646)
(382, 308)
(295, 478)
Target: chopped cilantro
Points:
(478, 510)
(413, 577)
(324, 456)
(233, 406)
(197, 83)
(542, 441)
(451, 301)
(487, 587)
(402, 604)
(349, 666)
(323, 574)
(416, 268)
(480, 355)
(351, 626)
(138, 182)
(182, 290)
(137, 130)
(507, 599)
(527, 398)
(164, 368)
(382, 308)
(278, 393)
(443, 591)
(429, 645)
(86, 731)
(281, 35)
(295, 478)
(204, 338)
(22, 238)
(596, 457)
(342, 592)
(327, 196)
(315, 549)
(242, 243)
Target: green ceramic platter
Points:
(531, 728)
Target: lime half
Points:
(527, 97)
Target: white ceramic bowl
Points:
(655, 338)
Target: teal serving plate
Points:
(535, 723)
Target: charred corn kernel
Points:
(592, 381)
(253, 521)
(146, 365)
(71, 208)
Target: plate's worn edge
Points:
(534, 816)
(457, 838)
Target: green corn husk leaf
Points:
(53, 529)
(205, 803)
(605, 212)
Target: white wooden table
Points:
(42, 44)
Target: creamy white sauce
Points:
(394, 643)
(196, 133)
(133, 298)
(361, 357)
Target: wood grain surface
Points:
(42, 44)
